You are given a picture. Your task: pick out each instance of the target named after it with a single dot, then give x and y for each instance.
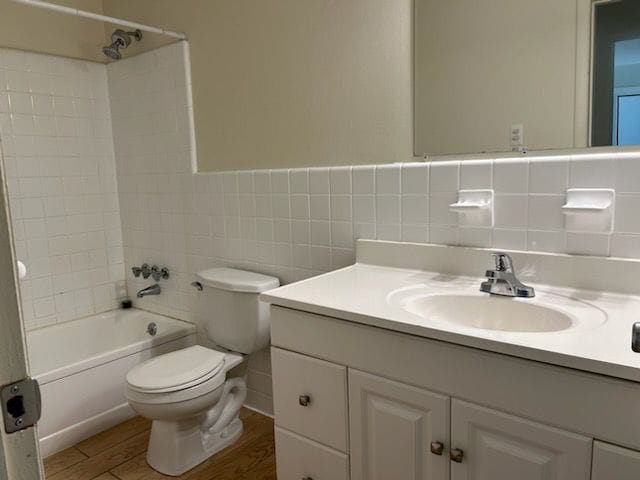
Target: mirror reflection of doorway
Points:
(615, 118)
(626, 92)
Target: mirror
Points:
(511, 75)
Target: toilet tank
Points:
(234, 317)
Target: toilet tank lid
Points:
(236, 280)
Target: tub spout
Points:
(152, 290)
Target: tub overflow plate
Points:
(21, 406)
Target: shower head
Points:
(120, 40)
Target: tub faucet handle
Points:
(146, 270)
(159, 273)
(136, 271)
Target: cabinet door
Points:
(611, 462)
(495, 446)
(392, 427)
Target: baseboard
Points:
(80, 431)
(259, 402)
(257, 410)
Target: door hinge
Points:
(21, 406)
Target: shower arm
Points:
(102, 18)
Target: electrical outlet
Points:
(516, 136)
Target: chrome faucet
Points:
(503, 281)
(152, 290)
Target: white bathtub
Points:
(81, 367)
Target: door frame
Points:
(19, 451)
(617, 93)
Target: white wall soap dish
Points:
(589, 209)
(474, 207)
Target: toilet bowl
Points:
(189, 394)
(194, 407)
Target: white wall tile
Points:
(476, 174)
(415, 179)
(387, 179)
(545, 212)
(548, 175)
(585, 172)
(444, 177)
(363, 180)
(61, 183)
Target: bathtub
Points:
(81, 367)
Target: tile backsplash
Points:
(55, 126)
(291, 223)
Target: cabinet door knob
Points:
(457, 455)
(304, 400)
(437, 448)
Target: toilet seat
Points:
(176, 370)
(190, 379)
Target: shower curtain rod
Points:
(102, 18)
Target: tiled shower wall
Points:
(300, 222)
(55, 128)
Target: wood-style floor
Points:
(119, 454)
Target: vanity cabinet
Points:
(363, 403)
(396, 430)
(501, 446)
(614, 463)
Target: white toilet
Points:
(194, 407)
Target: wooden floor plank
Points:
(120, 454)
(248, 463)
(92, 467)
(61, 460)
(114, 436)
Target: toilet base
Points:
(176, 447)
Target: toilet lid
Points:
(176, 370)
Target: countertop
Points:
(373, 295)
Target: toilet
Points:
(186, 393)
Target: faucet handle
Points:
(159, 273)
(136, 271)
(504, 263)
(146, 270)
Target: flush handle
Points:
(457, 455)
(635, 337)
(304, 400)
(437, 448)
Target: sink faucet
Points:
(152, 290)
(503, 281)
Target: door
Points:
(394, 428)
(492, 445)
(611, 462)
(19, 458)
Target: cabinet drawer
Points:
(310, 397)
(611, 462)
(300, 458)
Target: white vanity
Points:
(399, 368)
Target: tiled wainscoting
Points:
(301, 222)
(55, 127)
(292, 223)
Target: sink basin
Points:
(470, 309)
(489, 313)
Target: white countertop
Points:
(372, 295)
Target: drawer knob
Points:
(304, 400)
(437, 448)
(457, 455)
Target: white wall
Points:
(286, 83)
(55, 127)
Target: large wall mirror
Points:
(505, 75)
